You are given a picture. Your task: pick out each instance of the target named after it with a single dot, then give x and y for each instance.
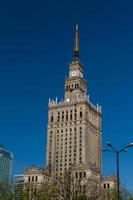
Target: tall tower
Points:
(74, 124)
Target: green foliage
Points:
(125, 194)
(112, 194)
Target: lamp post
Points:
(117, 152)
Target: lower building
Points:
(18, 186)
(109, 182)
(36, 179)
(109, 187)
(86, 180)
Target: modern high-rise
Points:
(74, 125)
(6, 158)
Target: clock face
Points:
(74, 73)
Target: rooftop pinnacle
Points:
(76, 46)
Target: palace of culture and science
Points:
(74, 125)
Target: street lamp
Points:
(117, 152)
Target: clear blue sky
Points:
(36, 46)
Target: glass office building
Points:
(5, 167)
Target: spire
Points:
(76, 45)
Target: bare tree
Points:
(108, 194)
(69, 188)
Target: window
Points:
(80, 113)
(52, 118)
(63, 117)
(108, 185)
(80, 174)
(104, 185)
(58, 118)
(36, 178)
(66, 87)
(70, 114)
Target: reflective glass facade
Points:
(5, 166)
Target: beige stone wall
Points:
(73, 138)
(35, 177)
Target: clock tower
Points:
(75, 85)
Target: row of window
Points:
(106, 185)
(35, 178)
(66, 116)
(80, 175)
(72, 86)
(66, 124)
(66, 130)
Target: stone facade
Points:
(74, 125)
(109, 188)
(35, 178)
(109, 182)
